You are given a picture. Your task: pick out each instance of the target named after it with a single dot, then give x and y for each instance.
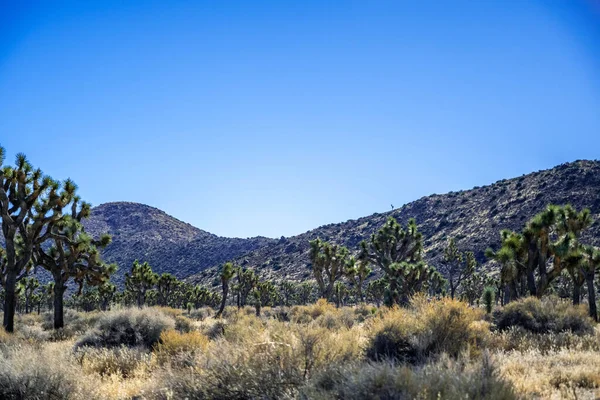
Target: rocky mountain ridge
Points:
(473, 217)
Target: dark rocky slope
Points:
(169, 245)
(474, 217)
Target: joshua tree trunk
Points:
(223, 300)
(576, 294)
(591, 296)
(257, 306)
(59, 311)
(10, 301)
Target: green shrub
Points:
(550, 315)
(131, 328)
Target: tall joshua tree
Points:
(358, 272)
(30, 203)
(140, 281)
(397, 251)
(329, 264)
(165, 286)
(458, 266)
(227, 273)
(589, 267)
(72, 255)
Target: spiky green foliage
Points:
(357, 272)
(264, 294)
(106, 293)
(376, 290)
(458, 266)
(329, 264)
(73, 254)
(246, 282)
(547, 247)
(488, 299)
(140, 281)
(30, 204)
(165, 287)
(289, 291)
(27, 287)
(397, 251)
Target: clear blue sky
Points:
(274, 117)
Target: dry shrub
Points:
(123, 361)
(76, 322)
(173, 342)
(184, 324)
(131, 328)
(40, 373)
(33, 334)
(306, 314)
(517, 338)
(549, 315)
(446, 379)
(426, 328)
(29, 319)
(169, 311)
(571, 373)
(201, 313)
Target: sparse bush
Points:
(28, 373)
(129, 328)
(184, 324)
(443, 380)
(426, 328)
(173, 342)
(550, 315)
(122, 361)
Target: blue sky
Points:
(272, 118)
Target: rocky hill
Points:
(169, 245)
(474, 217)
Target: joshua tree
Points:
(30, 203)
(397, 252)
(264, 294)
(357, 272)
(288, 292)
(106, 292)
(227, 273)
(28, 286)
(547, 247)
(329, 263)
(73, 254)
(589, 266)
(488, 298)
(140, 281)
(458, 266)
(341, 291)
(199, 296)
(165, 286)
(305, 292)
(246, 281)
(376, 290)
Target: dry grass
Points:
(561, 374)
(311, 352)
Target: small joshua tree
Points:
(488, 298)
(140, 281)
(227, 272)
